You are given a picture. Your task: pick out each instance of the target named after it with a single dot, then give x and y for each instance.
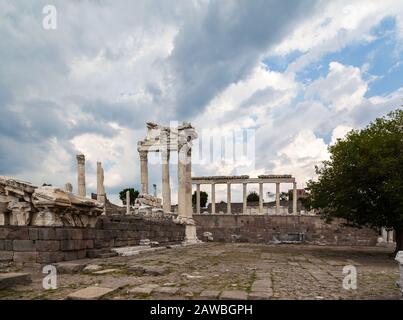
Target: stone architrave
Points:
(81, 175)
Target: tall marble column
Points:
(166, 188)
(127, 202)
(81, 175)
(186, 134)
(277, 197)
(100, 184)
(181, 185)
(294, 198)
(184, 180)
(261, 198)
(245, 198)
(198, 198)
(213, 198)
(144, 171)
(228, 197)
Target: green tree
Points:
(363, 180)
(133, 195)
(252, 197)
(203, 198)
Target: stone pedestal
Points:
(190, 235)
(399, 259)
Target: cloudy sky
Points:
(299, 74)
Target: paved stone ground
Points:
(226, 271)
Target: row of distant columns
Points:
(244, 189)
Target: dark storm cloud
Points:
(222, 45)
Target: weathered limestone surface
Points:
(8, 280)
(23, 204)
(90, 293)
(55, 207)
(15, 201)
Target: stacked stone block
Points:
(42, 245)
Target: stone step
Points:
(100, 253)
(134, 250)
(90, 293)
(8, 280)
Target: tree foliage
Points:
(203, 199)
(252, 197)
(363, 180)
(133, 195)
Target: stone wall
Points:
(281, 228)
(41, 245)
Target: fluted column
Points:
(212, 198)
(228, 197)
(166, 187)
(245, 198)
(277, 197)
(81, 175)
(294, 198)
(260, 198)
(144, 171)
(198, 198)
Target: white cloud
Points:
(339, 133)
(301, 155)
(343, 87)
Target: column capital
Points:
(143, 155)
(80, 158)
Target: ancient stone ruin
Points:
(22, 204)
(42, 224)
